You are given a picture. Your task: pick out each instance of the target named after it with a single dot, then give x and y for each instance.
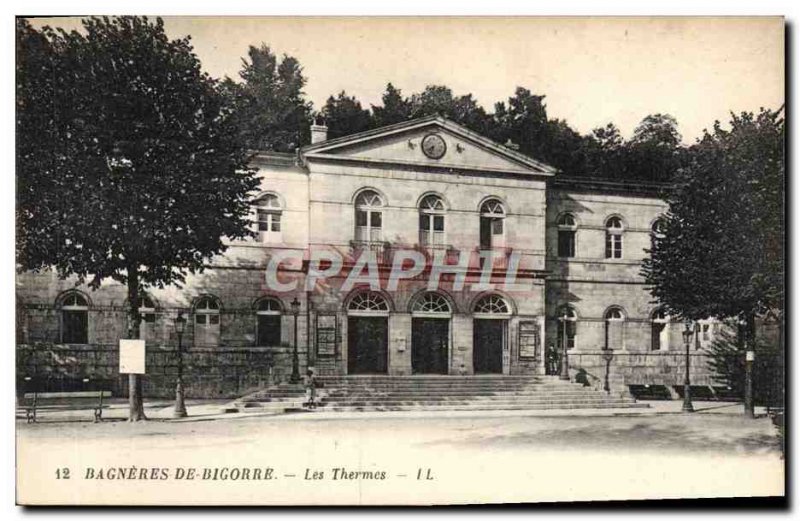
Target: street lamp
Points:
(564, 361)
(687, 391)
(180, 407)
(608, 355)
(295, 378)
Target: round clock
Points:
(434, 146)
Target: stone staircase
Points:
(437, 393)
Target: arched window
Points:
(659, 330)
(659, 227)
(268, 322)
(567, 326)
(492, 232)
(74, 319)
(269, 211)
(567, 226)
(615, 322)
(368, 302)
(431, 221)
(614, 231)
(431, 303)
(657, 231)
(206, 322)
(369, 217)
(491, 305)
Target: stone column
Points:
(461, 345)
(400, 344)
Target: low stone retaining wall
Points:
(221, 372)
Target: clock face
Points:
(434, 146)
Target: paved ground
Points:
(475, 457)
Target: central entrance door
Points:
(429, 342)
(487, 346)
(367, 343)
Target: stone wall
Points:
(223, 372)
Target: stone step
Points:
(438, 393)
(494, 398)
(473, 402)
(486, 408)
(445, 384)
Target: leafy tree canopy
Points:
(394, 108)
(344, 115)
(721, 251)
(269, 103)
(128, 163)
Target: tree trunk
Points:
(135, 403)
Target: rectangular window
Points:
(368, 225)
(614, 334)
(206, 330)
(566, 243)
(657, 330)
(497, 226)
(431, 229)
(486, 238)
(613, 246)
(571, 329)
(263, 221)
(269, 226)
(75, 327)
(269, 330)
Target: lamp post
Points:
(687, 391)
(180, 407)
(564, 361)
(295, 378)
(749, 404)
(608, 355)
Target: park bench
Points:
(65, 401)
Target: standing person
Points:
(552, 360)
(310, 383)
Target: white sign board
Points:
(131, 357)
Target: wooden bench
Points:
(65, 401)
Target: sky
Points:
(592, 70)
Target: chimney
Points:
(319, 131)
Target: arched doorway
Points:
(489, 334)
(367, 334)
(430, 334)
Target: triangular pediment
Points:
(408, 143)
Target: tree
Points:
(654, 153)
(726, 360)
(525, 123)
(129, 166)
(269, 104)
(439, 100)
(604, 150)
(721, 250)
(395, 108)
(344, 116)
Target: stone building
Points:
(523, 258)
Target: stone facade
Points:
(370, 194)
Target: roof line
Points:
(444, 122)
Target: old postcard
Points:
(399, 261)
